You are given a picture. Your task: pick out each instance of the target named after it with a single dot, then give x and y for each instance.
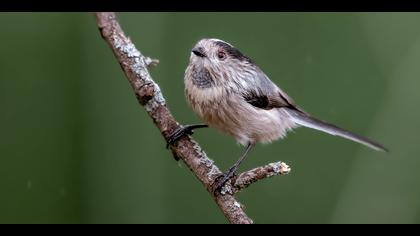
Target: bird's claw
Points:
(184, 130)
(177, 134)
(222, 180)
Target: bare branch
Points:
(151, 62)
(148, 94)
(259, 173)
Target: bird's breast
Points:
(205, 100)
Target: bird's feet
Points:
(223, 179)
(185, 130)
(178, 134)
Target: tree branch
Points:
(247, 178)
(148, 94)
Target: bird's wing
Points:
(267, 95)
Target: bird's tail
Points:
(306, 120)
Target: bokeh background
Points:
(75, 146)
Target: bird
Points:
(230, 93)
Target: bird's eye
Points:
(221, 55)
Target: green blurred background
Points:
(75, 146)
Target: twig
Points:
(148, 93)
(247, 178)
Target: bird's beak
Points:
(199, 51)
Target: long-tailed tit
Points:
(232, 94)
